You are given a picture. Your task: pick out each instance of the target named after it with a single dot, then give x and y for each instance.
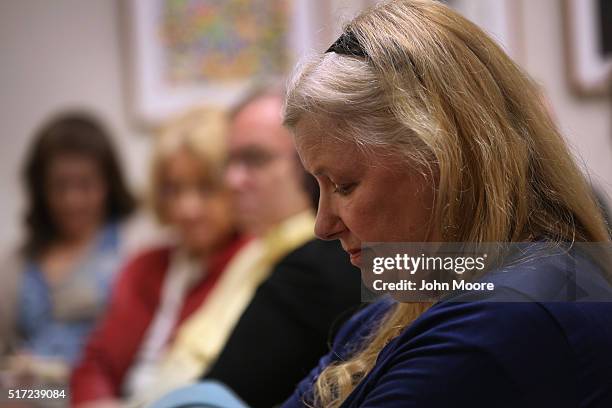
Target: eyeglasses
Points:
(252, 158)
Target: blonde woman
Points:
(159, 289)
(419, 128)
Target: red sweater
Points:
(112, 347)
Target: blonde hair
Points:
(201, 132)
(436, 90)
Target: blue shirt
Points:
(509, 350)
(47, 335)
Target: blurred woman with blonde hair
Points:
(159, 289)
(419, 128)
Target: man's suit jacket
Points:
(289, 323)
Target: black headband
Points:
(347, 44)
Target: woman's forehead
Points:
(322, 152)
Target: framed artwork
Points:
(588, 27)
(183, 53)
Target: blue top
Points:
(509, 350)
(208, 393)
(55, 321)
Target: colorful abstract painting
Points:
(209, 41)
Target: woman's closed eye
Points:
(344, 189)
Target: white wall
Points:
(58, 54)
(586, 122)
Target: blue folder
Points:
(207, 394)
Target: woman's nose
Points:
(190, 205)
(328, 225)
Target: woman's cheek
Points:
(357, 219)
(222, 213)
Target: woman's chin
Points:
(356, 259)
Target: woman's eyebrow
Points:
(319, 171)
